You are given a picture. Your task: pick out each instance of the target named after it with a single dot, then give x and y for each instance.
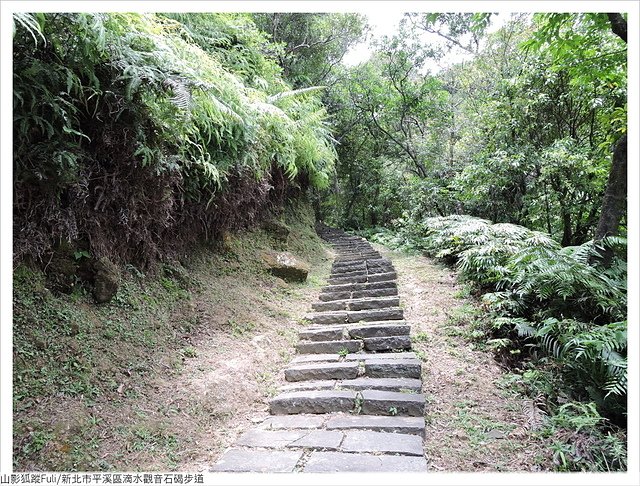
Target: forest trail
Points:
(475, 419)
(356, 393)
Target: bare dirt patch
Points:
(225, 377)
(473, 422)
(173, 372)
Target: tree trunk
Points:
(615, 197)
(618, 25)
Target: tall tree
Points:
(615, 195)
(312, 44)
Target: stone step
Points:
(387, 343)
(348, 279)
(357, 304)
(242, 460)
(314, 439)
(354, 287)
(345, 421)
(329, 318)
(315, 358)
(356, 257)
(380, 277)
(328, 333)
(348, 265)
(335, 296)
(340, 317)
(377, 423)
(358, 294)
(332, 462)
(393, 368)
(364, 357)
(369, 402)
(380, 356)
(407, 385)
(379, 329)
(360, 266)
(376, 402)
(379, 262)
(381, 442)
(389, 313)
(355, 331)
(328, 347)
(300, 421)
(379, 270)
(322, 371)
(345, 440)
(309, 385)
(313, 401)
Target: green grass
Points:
(67, 347)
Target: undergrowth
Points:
(75, 359)
(554, 315)
(138, 135)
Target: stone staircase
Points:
(353, 402)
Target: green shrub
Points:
(136, 131)
(546, 300)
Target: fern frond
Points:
(294, 93)
(181, 94)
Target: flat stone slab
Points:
(356, 256)
(380, 356)
(360, 294)
(330, 334)
(279, 422)
(393, 368)
(313, 358)
(349, 271)
(331, 462)
(335, 305)
(353, 287)
(378, 423)
(375, 329)
(382, 277)
(379, 261)
(376, 269)
(329, 317)
(392, 403)
(387, 343)
(314, 401)
(385, 442)
(384, 384)
(240, 460)
(322, 371)
(328, 297)
(391, 313)
(309, 385)
(319, 439)
(349, 265)
(349, 279)
(373, 303)
(357, 304)
(327, 347)
(277, 439)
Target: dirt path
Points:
(474, 423)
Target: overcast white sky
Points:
(384, 21)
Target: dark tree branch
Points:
(618, 25)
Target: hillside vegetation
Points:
(157, 378)
(155, 155)
(137, 134)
